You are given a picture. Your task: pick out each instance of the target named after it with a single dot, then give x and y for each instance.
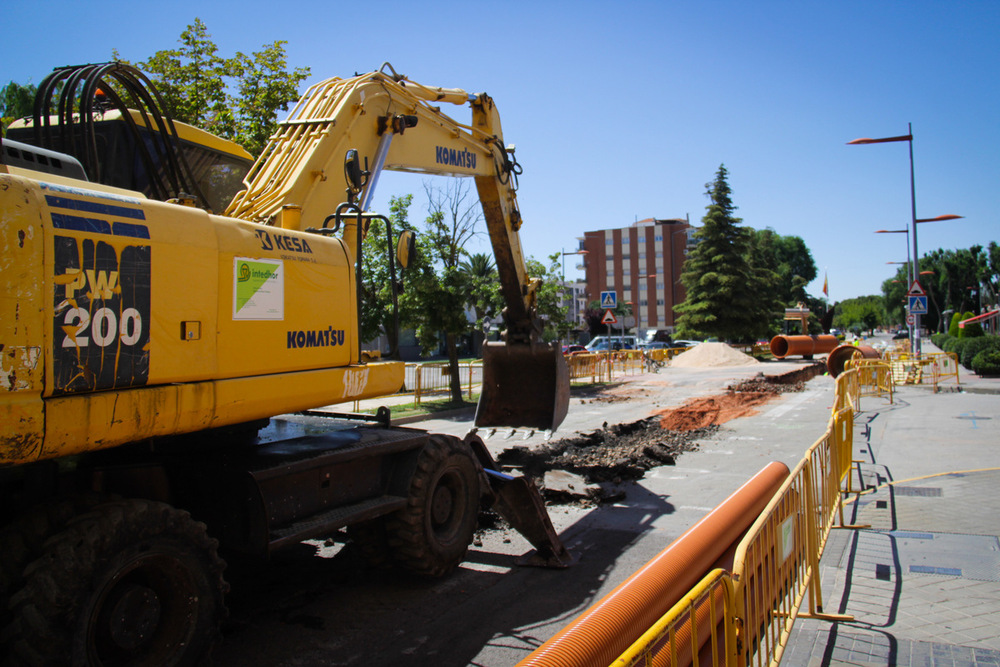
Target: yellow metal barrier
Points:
(776, 568)
(874, 376)
(745, 618)
(944, 366)
(695, 631)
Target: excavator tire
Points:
(23, 540)
(431, 535)
(130, 582)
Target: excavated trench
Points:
(617, 453)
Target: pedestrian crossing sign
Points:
(917, 305)
(609, 299)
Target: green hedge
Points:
(987, 362)
(973, 346)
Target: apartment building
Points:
(642, 263)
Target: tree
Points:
(237, 98)
(860, 314)
(16, 101)
(442, 288)
(728, 295)
(191, 80)
(790, 259)
(376, 295)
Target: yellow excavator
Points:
(169, 317)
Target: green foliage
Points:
(973, 346)
(972, 329)
(16, 101)
(957, 346)
(376, 296)
(729, 296)
(953, 329)
(860, 314)
(987, 362)
(789, 258)
(237, 98)
(939, 339)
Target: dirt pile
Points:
(624, 452)
(712, 355)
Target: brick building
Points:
(642, 263)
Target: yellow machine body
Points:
(125, 318)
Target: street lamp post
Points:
(915, 271)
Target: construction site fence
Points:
(874, 377)
(433, 380)
(744, 616)
(932, 368)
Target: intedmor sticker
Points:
(258, 289)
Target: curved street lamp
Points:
(908, 138)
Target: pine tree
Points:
(727, 295)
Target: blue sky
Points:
(624, 111)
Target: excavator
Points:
(173, 313)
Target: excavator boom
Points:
(394, 124)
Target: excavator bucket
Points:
(518, 501)
(524, 386)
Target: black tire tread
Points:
(44, 607)
(414, 548)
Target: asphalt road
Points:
(320, 606)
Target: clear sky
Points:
(624, 111)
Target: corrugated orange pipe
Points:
(606, 629)
(840, 356)
(806, 346)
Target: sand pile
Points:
(712, 355)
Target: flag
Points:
(826, 285)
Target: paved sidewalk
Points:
(923, 581)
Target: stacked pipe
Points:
(806, 346)
(609, 627)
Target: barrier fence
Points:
(745, 616)
(936, 367)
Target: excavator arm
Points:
(394, 123)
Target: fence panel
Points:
(696, 631)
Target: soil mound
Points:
(712, 355)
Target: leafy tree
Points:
(16, 101)
(549, 298)
(790, 259)
(237, 98)
(191, 80)
(441, 289)
(860, 314)
(728, 294)
(376, 295)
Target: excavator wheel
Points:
(431, 535)
(131, 582)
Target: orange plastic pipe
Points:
(791, 346)
(607, 628)
(840, 356)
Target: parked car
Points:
(573, 349)
(685, 343)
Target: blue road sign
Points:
(609, 299)
(917, 305)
